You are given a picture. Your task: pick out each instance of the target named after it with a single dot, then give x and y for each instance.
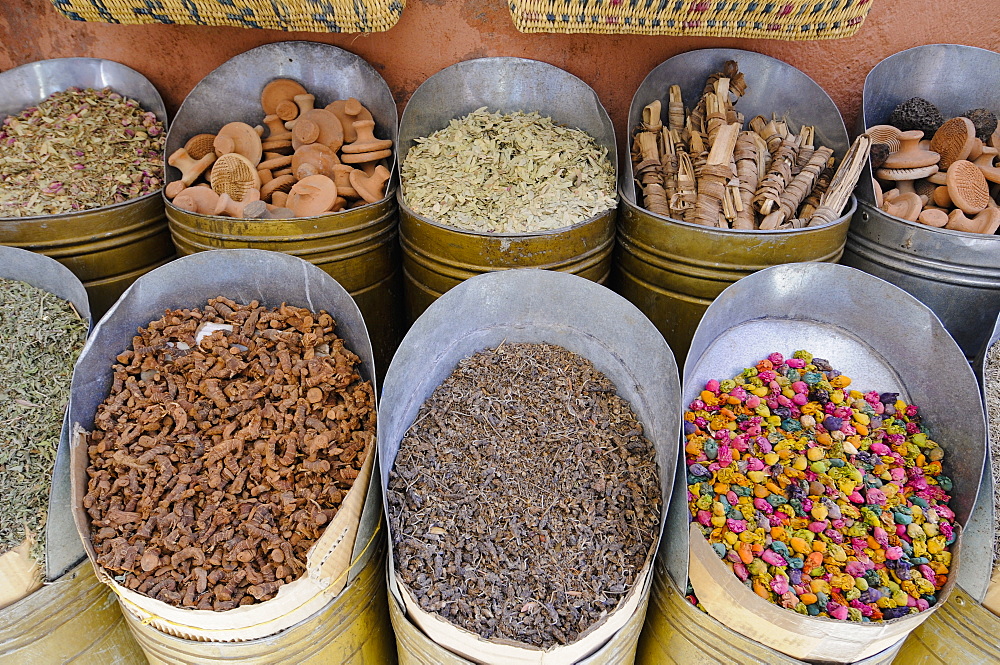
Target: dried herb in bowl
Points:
(41, 336)
(524, 500)
(508, 173)
(78, 150)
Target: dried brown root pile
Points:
(229, 439)
(768, 178)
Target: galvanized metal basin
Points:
(243, 275)
(108, 248)
(63, 549)
(671, 269)
(438, 257)
(356, 247)
(677, 633)
(830, 310)
(956, 274)
(531, 306)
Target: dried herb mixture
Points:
(77, 150)
(508, 173)
(991, 379)
(230, 438)
(41, 336)
(524, 500)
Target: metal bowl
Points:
(956, 274)
(62, 548)
(534, 306)
(773, 88)
(231, 92)
(839, 313)
(30, 84)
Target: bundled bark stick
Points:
(705, 168)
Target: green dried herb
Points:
(41, 336)
(508, 173)
(77, 150)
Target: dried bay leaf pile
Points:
(524, 500)
(508, 173)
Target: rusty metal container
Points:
(438, 257)
(534, 306)
(816, 306)
(671, 269)
(956, 274)
(357, 247)
(107, 248)
(71, 619)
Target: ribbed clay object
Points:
(954, 141)
(910, 155)
(233, 174)
(277, 91)
(967, 187)
(886, 134)
(200, 145)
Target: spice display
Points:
(703, 167)
(302, 161)
(524, 500)
(508, 173)
(946, 182)
(822, 499)
(78, 150)
(229, 439)
(991, 381)
(41, 336)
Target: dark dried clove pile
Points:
(524, 499)
(228, 442)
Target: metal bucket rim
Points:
(869, 208)
(160, 111)
(531, 234)
(849, 209)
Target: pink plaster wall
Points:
(433, 34)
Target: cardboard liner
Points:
(328, 563)
(19, 574)
(469, 645)
(243, 275)
(728, 600)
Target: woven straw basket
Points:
(289, 15)
(762, 19)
